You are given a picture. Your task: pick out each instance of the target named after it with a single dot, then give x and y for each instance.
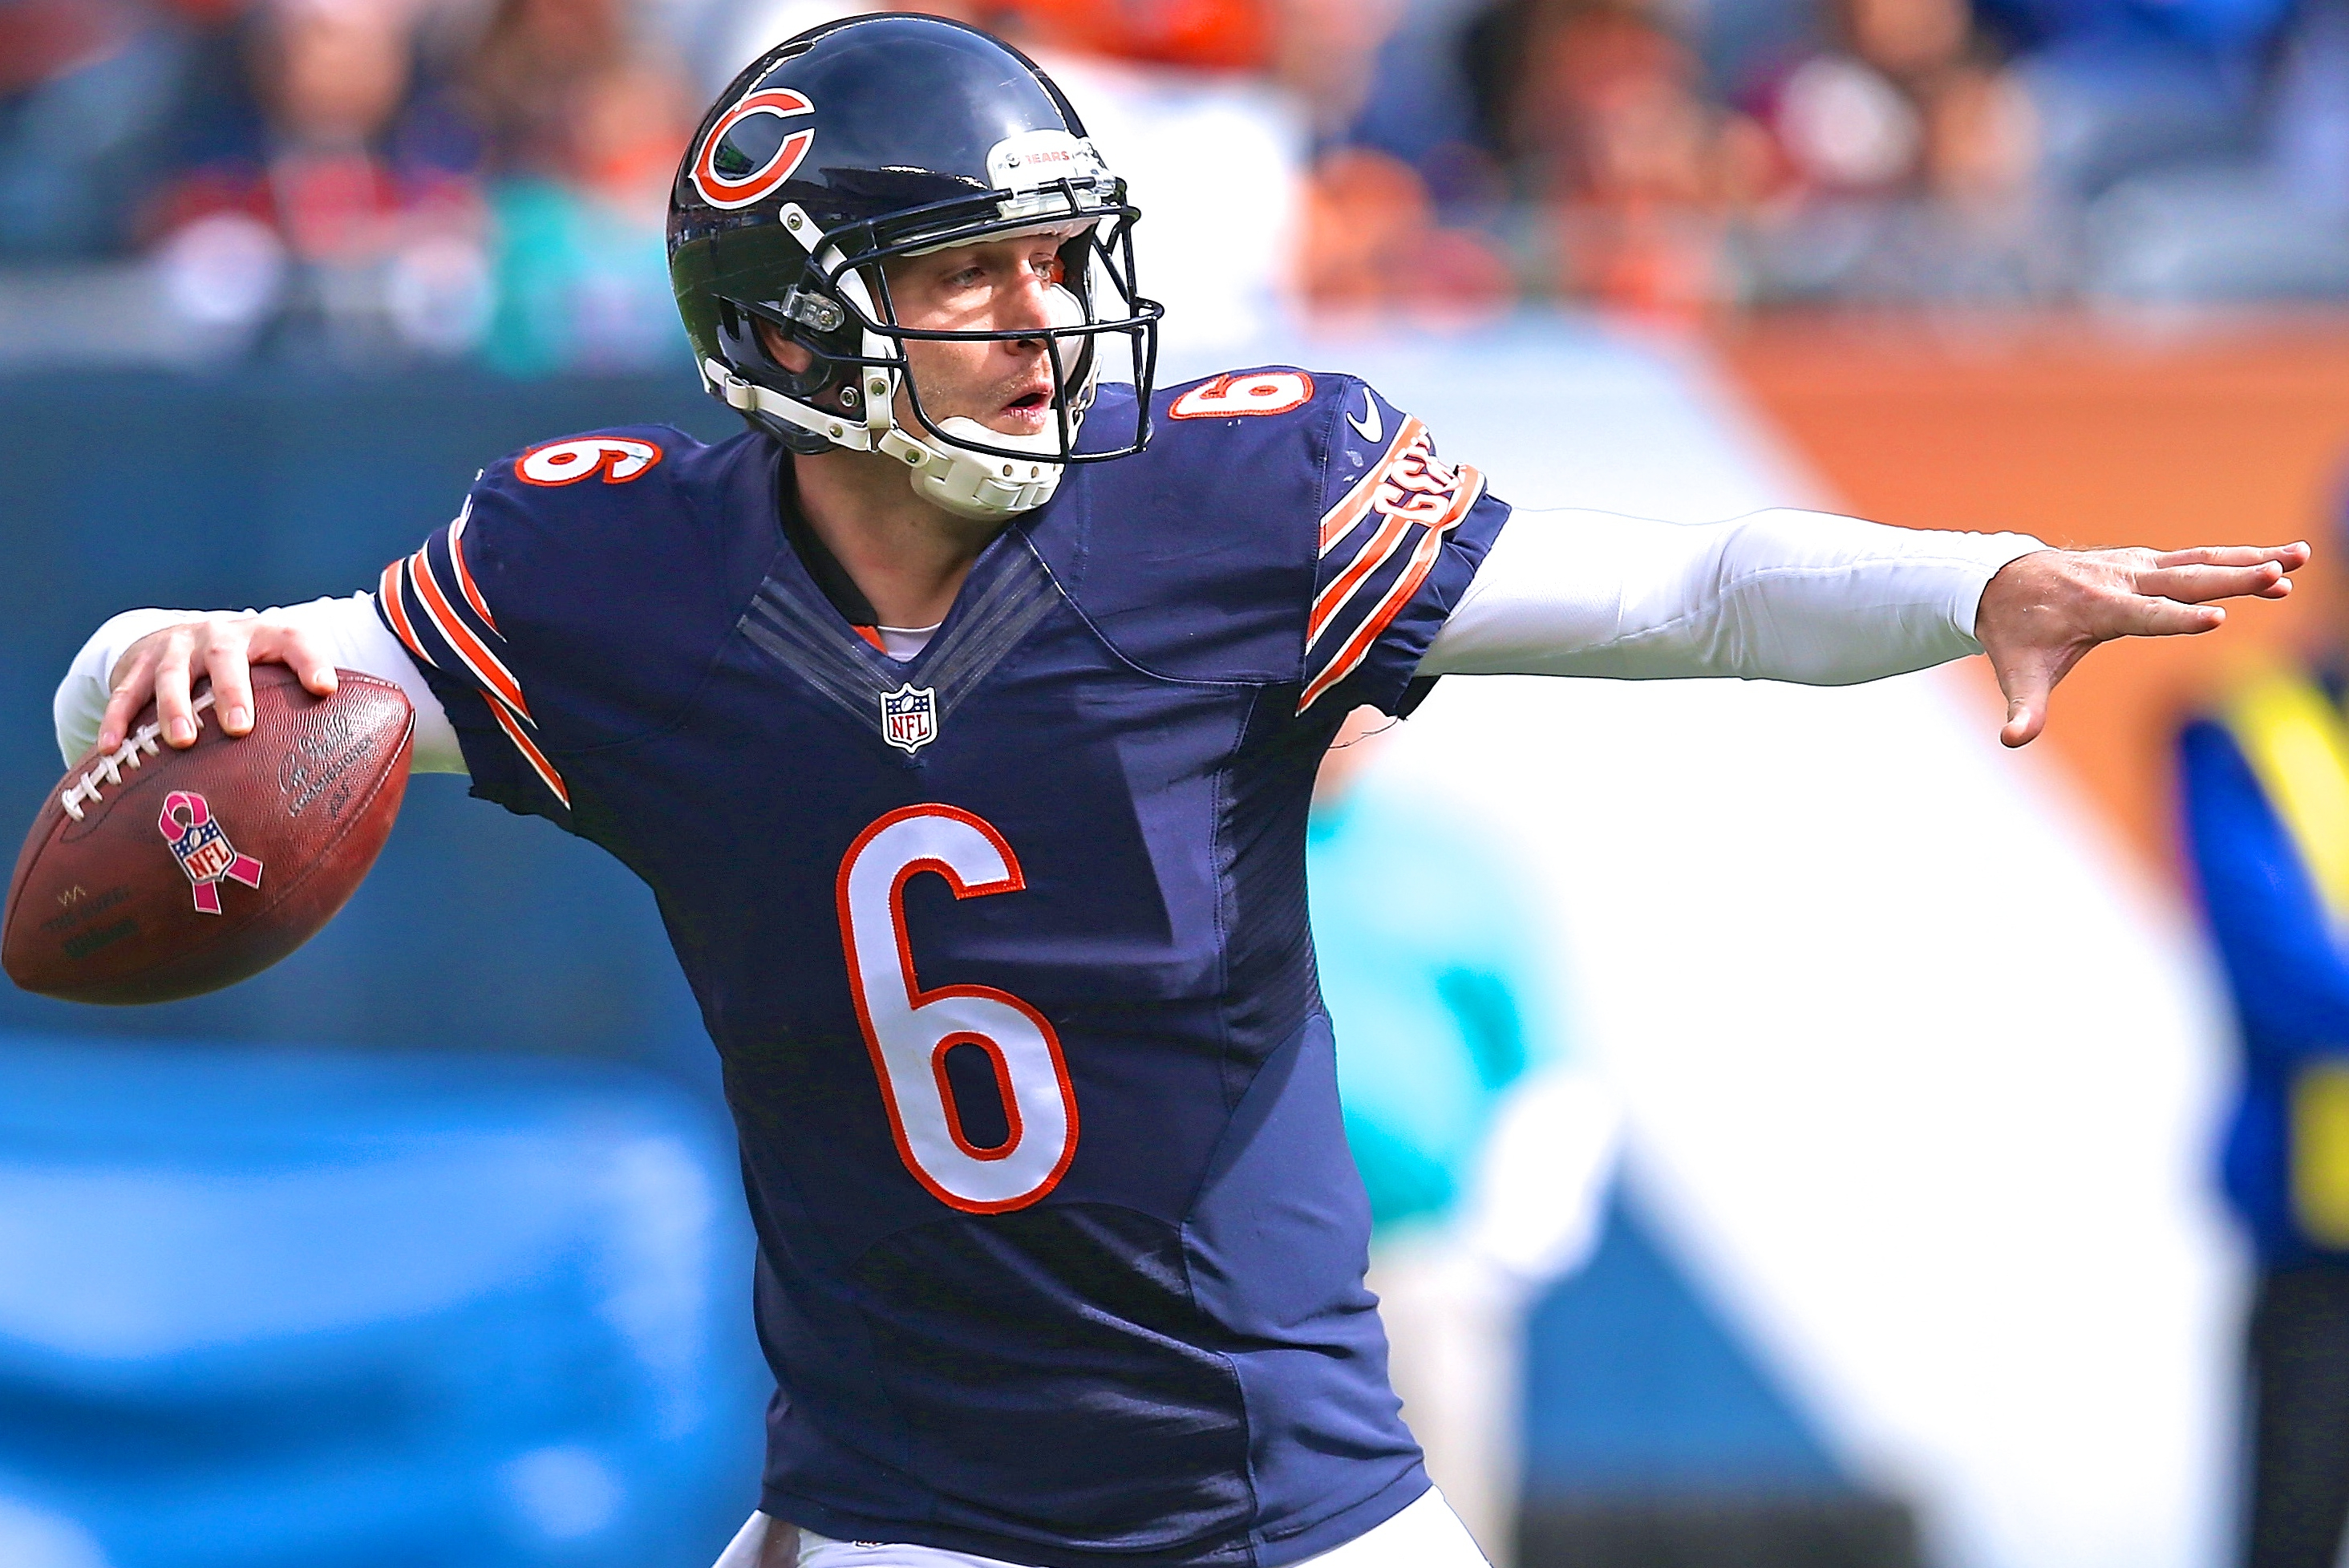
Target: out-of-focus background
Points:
(425, 1247)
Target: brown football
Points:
(154, 874)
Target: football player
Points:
(962, 715)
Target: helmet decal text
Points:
(739, 188)
(1032, 158)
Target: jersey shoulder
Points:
(1308, 434)
(649, 485)
(581, 588)
(1197, 557)
(616, 525)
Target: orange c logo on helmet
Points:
(740, 191)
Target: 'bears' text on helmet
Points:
(881, 137)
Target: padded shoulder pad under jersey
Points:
(576, 598)
(1284, 525)
(1194, 558)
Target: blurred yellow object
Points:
(2297, 742)
(2320, 1144)
(2294, 737)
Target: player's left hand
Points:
(2042, 612)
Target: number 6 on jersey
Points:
(909, 1031)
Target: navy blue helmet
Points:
(881, 137)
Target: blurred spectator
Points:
(1903, 156)
(1200, 34)
(403, 178)
(1485, 1155)
(584, 126)
(1418, 106)
(529, 71)
(1600, 108)
(330, 193)
(2266, 796)
(87, 89)
(2128, 85)
(2215, 164)
(1373, 247)
(1396, 208)
(2310, 130)
(503, 190)
(1321, 51)
(1912, 102)
(1370, 241)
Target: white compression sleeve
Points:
(356, 638)
(1777, 596)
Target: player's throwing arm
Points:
(1563, 594)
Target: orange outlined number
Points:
(618, 458)
(1260, 392)
(908, 1030)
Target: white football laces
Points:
(147, 739)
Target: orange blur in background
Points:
(2087, 432)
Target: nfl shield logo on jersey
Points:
(909, 717)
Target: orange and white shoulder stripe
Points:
(530, 753)
(465, 577)
(455, 633)
(1410, 498)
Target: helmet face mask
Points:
(1097, 260)
(873, 142)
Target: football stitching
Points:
(111, 765)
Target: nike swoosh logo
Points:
(1372, 429)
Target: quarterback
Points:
(962, 715)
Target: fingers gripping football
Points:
(165, 664)
(2042, 613)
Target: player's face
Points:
(998, 286)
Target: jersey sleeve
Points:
(1401, 533)
(433, 601)
(573, 604)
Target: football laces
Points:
(146, 740)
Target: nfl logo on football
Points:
(909, 717)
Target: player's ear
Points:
(791, 356)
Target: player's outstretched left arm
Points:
(1824, 600)
(2040, 613)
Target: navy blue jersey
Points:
(1005, 948)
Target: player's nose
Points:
(1028, 305)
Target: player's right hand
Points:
(165, 664)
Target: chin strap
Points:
(966, 484)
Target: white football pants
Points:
(1456, 1353)
(1427, 1534)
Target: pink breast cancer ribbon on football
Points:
(202, 850)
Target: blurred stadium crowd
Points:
(485, 178)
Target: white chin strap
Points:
(971, 483)
(967, 483)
